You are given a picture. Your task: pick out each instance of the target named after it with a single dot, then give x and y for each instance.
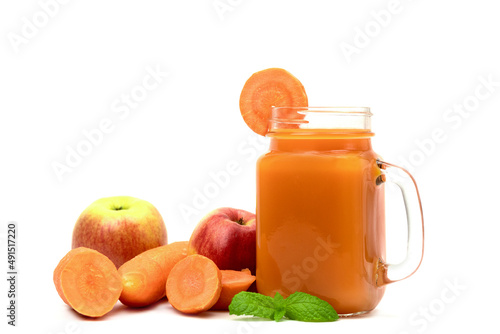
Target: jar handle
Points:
(389, 273)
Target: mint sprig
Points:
(304, 307)
(298, 306)
(251, 303)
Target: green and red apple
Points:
(120, 227)
(227, 237)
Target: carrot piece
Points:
(59, 269)
(88, 281)
(265, 89)
(194, 284)
(233, 282)
(144, 277)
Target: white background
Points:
(64, 78)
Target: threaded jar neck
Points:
(343, 122)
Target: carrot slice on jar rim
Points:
(273, 87)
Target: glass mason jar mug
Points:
(321, 210)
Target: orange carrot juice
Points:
(320, 217)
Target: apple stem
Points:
(240, 221)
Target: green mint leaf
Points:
(304, 307)
(298, 306)
(279, 306)
(252, 303)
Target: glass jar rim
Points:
(360, 111)
(304, 120)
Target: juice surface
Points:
(320, 219)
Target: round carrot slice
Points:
(88, 282)
(273, 87)
(194, 284)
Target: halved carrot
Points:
(59, 269)
(144, 277)
(233, 282)
(265, 89)
(88, 281)
(194, 284)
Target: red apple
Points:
(227, 237)
(120, 227)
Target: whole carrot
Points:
(144, 277)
